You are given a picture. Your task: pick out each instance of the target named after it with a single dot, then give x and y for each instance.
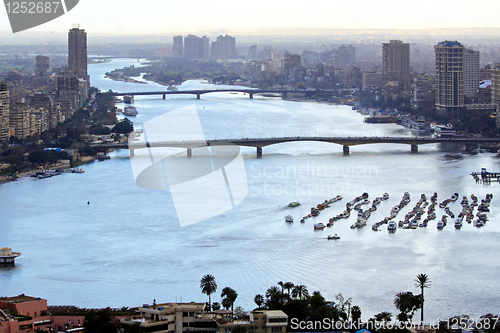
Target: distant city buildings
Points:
(77, 54)
(346, 54)
(396, 62)
(449, 83)
(495, 84)
(224, 47)
(4, 111)
(194, 47)
(471, 72)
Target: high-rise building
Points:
(41, 65)
(396, 62)
(495, 85)
(178, 47)
(191, 47)
(449, 78)
(204, 47)
(346, 54)
(4, 112)
(224, 47)
(471, 72)
(77, 53)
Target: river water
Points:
(127, 247)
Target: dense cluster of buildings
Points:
(458, 83)
(22, 314)
(194, 47)
(33, 103)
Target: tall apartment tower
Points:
(347, 54)
(42, 64)
(224, 47)
(471, 72)
(495, 85)
(178, 47)
(396, 62)
(449, 78)
(4, 112)
(77, 53)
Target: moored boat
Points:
(289, 218)
(319, 226)
(335, 236)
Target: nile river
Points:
(126, 247)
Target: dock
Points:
(486, 177)
(7, 256)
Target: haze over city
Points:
(155, 16)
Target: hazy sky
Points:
(184, 16)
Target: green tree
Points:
(383, 316)
(208, 286)
(259, 300)
(407, 304)
(355, 313)
(123, 127)
(300, 292)
(288, 286)
(99, 321)
(422, 281)
(216, 306)
(229, 294)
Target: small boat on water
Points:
(335, 236)
(440, 225)
(294, 204)
(130, 111)
(385, 196)
(319, 226)
(391, 226)
(289, 218)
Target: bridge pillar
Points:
(198, 96)
(346, 150)
(470, 146)
(131, 152)
(250, 95)
(414, 148)
(189, 152)
(259, 152)
(164, 95)
(283, 95)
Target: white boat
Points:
(289, 218)
(454, 197)
(391, 226)
(130, 111)
(335, 236)
(440, 225)
(458, 224)
(385, 196)
(319, 226)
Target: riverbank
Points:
(83, 160)
(124, 79)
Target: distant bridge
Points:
(346, 142)
(199, 92)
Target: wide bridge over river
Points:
(258, 143)
(200, 92)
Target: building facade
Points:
(77, 53)
(4, 112)
(449, 78)
(178, 46)
(396, 62)
(224, 47)
(471, 72)
(495, 84)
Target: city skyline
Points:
(162, 17)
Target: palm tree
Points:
(259, 300)
(355, 313)
(282, 285)
(422, 281)
(406, 302)
(208, 286)
(300, 292)
(230, 294)
(216, 306)
(288, 286)
(383, 316)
